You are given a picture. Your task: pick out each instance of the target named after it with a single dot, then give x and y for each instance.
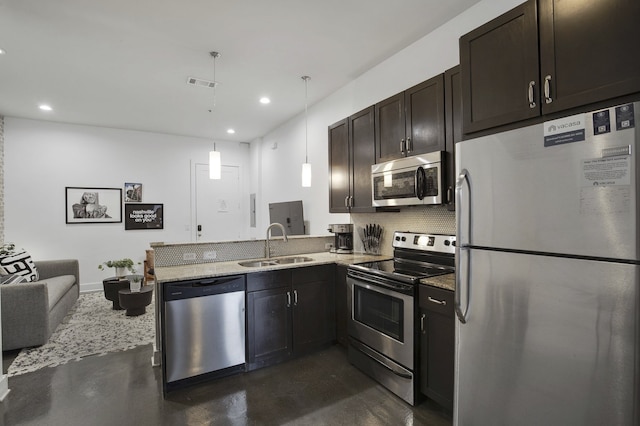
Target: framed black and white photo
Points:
(132, 192)
(93, 205)
(143, 216)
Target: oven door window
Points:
(381, 312)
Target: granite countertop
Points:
(447, 281)
(217, 269)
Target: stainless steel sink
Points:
(271, 262)
(257, 263)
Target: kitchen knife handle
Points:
(530, 94)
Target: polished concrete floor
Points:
(123, 389)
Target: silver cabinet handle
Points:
(288, 299)
(346, 201)
(547, 90)
(422, 317)
(530, 94)
(402, 146)
(295, 297)
(439, 302)
(409, 145)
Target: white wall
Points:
(42, 158)
(280, 167)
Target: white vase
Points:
(135, 286)
(121, 272)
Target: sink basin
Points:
(295, 259)
(257, 263)
(271, 262)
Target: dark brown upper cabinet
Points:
(411, 122)
(351, 154)
(548, 56)
(453, 129)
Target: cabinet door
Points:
(342, 309)
(588, 51)
(437, 344)
(453, 126)
(363, 154)
(313, 308)
(499, 67)
(424, 121)
(339, 167)
(390, 128)
(269, 338)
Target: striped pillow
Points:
(17, 262)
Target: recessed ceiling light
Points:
(45, 107)
(231, 131)
(2, 51)
(265, 100)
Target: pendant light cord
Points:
(306, 79)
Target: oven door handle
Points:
(380, 285)
(375, 357)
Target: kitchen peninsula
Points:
(231, 295)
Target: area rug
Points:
(90, 328)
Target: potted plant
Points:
(121, 265)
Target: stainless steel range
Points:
(383, 310)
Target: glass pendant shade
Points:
(215, 165)
(306, 175)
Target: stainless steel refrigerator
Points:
(547, 297)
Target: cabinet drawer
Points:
(436, 300)
(269, 279)
(311, 274)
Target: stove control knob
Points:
(447, 242)
(404, 238)
(453, 243)
(397, 238)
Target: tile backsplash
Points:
(427, 219)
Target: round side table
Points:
(135, 302)
(111, 287)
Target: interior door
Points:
(218, 211)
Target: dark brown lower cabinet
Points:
(437, 344)
(342, 310)
(290, 312)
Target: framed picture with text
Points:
(93, 205)
(143, 216)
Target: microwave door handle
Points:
(419, 184)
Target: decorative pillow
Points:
(12, 279)
(17, 262)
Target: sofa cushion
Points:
(58, 287)
(17, 262)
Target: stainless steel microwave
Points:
(408, 181)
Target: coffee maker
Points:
(343, 238)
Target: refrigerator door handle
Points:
(463, 209)
(463, 212)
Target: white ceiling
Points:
(125, 63)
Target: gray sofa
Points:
(32, 311)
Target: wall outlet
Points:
(209, 255)
(188, 256)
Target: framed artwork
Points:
(132, 192)
(143, 216)
(93, 205)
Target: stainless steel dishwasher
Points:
(203, 329)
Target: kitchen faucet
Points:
(267, 249)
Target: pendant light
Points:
(215, 162)
(306, 166)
